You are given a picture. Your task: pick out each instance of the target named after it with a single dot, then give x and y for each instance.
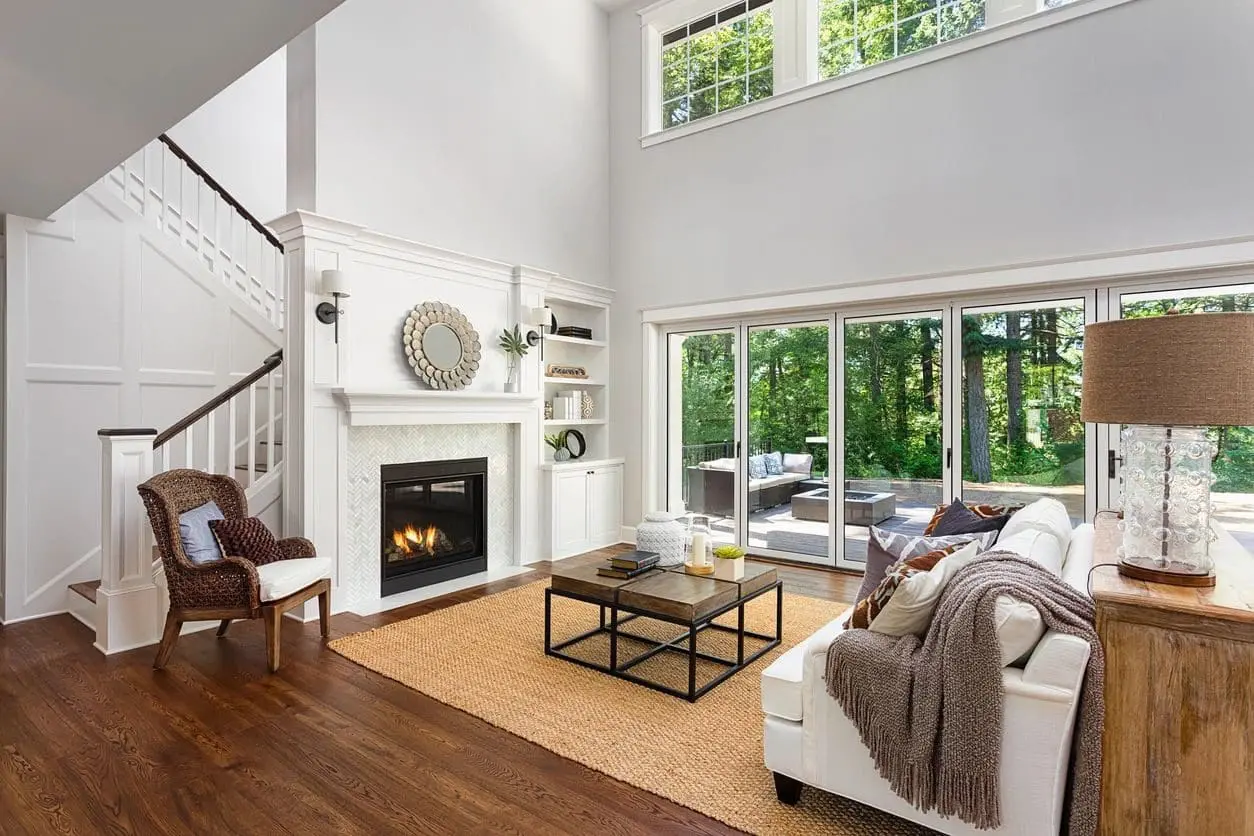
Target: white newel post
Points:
(127, 602)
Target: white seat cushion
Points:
(781, 685)
(1036, 545)
(1045, 514)
(283, 577)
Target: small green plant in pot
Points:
(558, 442)
(515, 348)
(729, 563)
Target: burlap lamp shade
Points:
(1183, 370)
(1169, 378)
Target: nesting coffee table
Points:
(670, 596)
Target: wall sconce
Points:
(335, 285)
(537, 318)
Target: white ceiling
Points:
(85, 85)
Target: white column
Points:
(796, 43)
(127, 602)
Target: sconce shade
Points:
(538, 317)
(334, 283)
(1188, 370)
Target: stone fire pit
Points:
(861, 507)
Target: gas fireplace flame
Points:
(411, 540)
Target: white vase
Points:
(729, 569)
(512, 380)
(664, 534)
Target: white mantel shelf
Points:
(424, 406)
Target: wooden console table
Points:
(1178, 751)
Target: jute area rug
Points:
(486, 657)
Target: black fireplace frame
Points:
(426, 576)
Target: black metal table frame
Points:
(622, 671)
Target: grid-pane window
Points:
(858, 33)
(721, 61)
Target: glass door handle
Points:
(1111, 458)
(949, 457)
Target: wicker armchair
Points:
(226, 589)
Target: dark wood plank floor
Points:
(214, 744)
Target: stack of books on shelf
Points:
(628, 565)
(575, 331)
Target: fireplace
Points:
(434, 522)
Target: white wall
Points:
(109, 322)
(240, 137)
(478, 126)
(1121, 130)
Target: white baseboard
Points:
(423, 593)
(35, 617)
(628, 534)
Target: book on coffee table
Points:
(634, 560)
(622, 574)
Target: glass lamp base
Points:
(1166, 505)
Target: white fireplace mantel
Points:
(409, 406)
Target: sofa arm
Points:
(1058, 661)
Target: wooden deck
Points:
(777, 529)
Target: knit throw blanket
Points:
(930, 710)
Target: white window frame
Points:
(796, 53)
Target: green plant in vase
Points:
(515, 348)
(729, 563)
(558, 442)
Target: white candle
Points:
(698, 549)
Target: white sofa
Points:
(808, 738)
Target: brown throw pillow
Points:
(959, 519)
(869, 607)
(979, 509)
(247, 538)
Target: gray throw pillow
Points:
(959, 519)
(199, 544)
(757, 467)
(774, 464)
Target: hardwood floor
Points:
(214, 744)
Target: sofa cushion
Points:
(1018, 626)
(910, 609)
(906, 546)
(868, 608)
(774, 463)
(877, 562)
(199, 544)
(719, 464)
(757, 467)
(979, 508)
(1045, 514)
(1036, 545)
(798, 463)
(959, 519)
(781, 685)
(283, 577)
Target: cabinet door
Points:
(570, 513)
(605, 505)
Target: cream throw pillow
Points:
(911, 608)
(1047, 515)
(1036, 545)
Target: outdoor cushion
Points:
(757, 467)
(719, 464)
(199, 544)
(774, 464)
(798, 463)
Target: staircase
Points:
(238, 432)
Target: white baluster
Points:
(189, 450)
(252, 433)
(230, 438)
(270, 423)
(211, 466)
(280, 289)
(166, 463)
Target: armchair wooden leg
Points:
(169, 637)
(273, 618)
(223, 627)
(787, 788)
(324, 612)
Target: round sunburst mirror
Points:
(441, 346)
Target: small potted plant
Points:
(558, 442)
(729, 563)
(515, 348)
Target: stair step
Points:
(278, 443)
(87, 589)
(261, 467)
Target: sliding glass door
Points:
(892, 427)
(1022, 435)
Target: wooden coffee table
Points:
(671, 596)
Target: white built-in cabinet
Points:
(585, 506)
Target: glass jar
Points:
(700, 542)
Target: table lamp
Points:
(1168, 378)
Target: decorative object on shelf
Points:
(558, 442)
(574, 331)
(587, 407)
(335, 285)
(1168, 378)
(572, 372)
(580, 442)
(441, 346)
(548, 410)
(515, 349)
(729, 563)
(664, 534)
(700, 547)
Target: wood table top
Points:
(668, 592)
(1231, 599)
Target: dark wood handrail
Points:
(217, 187)
(270, 364)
